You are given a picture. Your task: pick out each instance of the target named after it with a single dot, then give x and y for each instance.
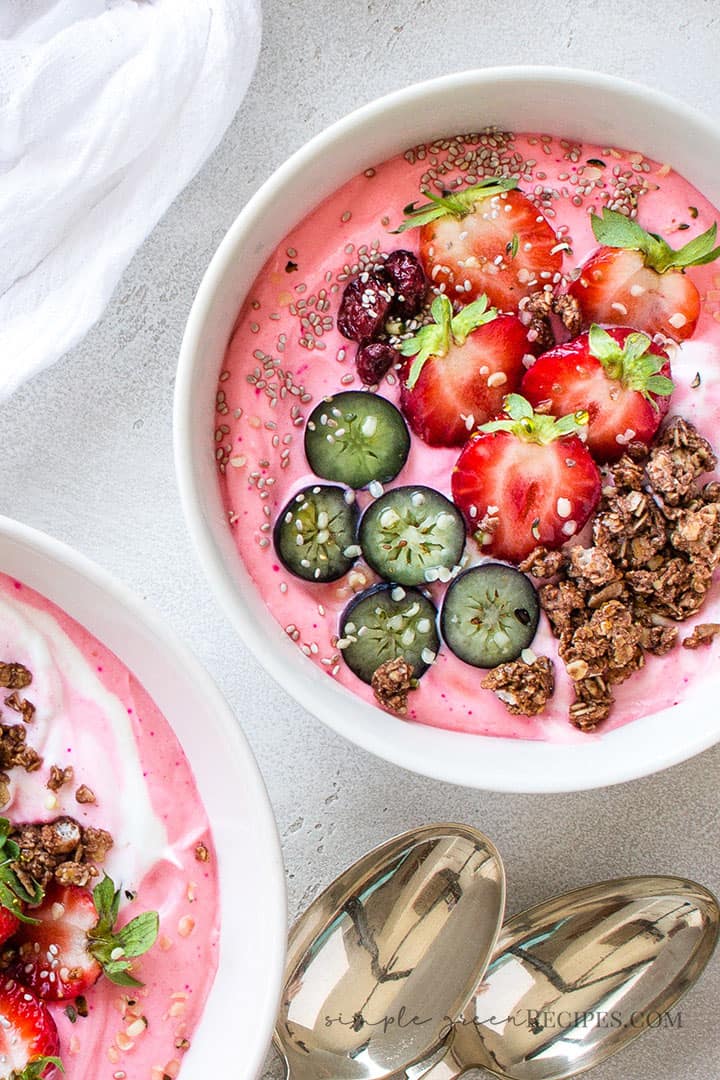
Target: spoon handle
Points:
(447, 1068)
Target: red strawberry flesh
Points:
(27, 1030)
(458, 392)
(615, 287)
(8, 925)
(53, 958)
(504, 248)
(517, 493)
(569, 377)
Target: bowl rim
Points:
(230, 733)
(618, 768)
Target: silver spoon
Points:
(391, 949)
(617, 955)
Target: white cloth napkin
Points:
(108, 108)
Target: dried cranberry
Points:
(407, 278)
(364, 307)
(373, 360)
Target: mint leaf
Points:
(117, 972)
(140, 934)
(115, 949)
(107, 900)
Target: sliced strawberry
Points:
(462, 369)
(526, 480)
(53, 952)
(636, 278)
(73, 941)
(619, 376)
(486, 239)
(9, 923)
(29, 1043)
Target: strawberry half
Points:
(73, 942)
(462, 369)
(526, 480)
(619, 376)
(486, 239)
(636, 278)
(29, 1043)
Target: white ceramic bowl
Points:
(244, 996)
(569, 103)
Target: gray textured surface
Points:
(87, 456)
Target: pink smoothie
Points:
(94, 715)
(286, 354)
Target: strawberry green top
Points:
(92, 714)
(286, 354)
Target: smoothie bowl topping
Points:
(91, 965)
(468, 465)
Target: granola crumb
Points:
(84, 794)
(523, 688)
(568, 310)
(21, 705)
(59, 777)
(14, 752)
(201, 853)
(391, 684)
(542, 563)
(540, 307)
(703, 634)
(14, 676)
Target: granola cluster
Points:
(523, 687)
(63, 850)
(538, 310)
(656, 545)
(391, 683)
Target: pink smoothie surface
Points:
(94, 715)
(286, 354)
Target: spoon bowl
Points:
(385, 959)
(576, 978)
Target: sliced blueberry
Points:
(385, 622)
(490, 614)
(315, 533)
(356, 437)
(412, 535)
